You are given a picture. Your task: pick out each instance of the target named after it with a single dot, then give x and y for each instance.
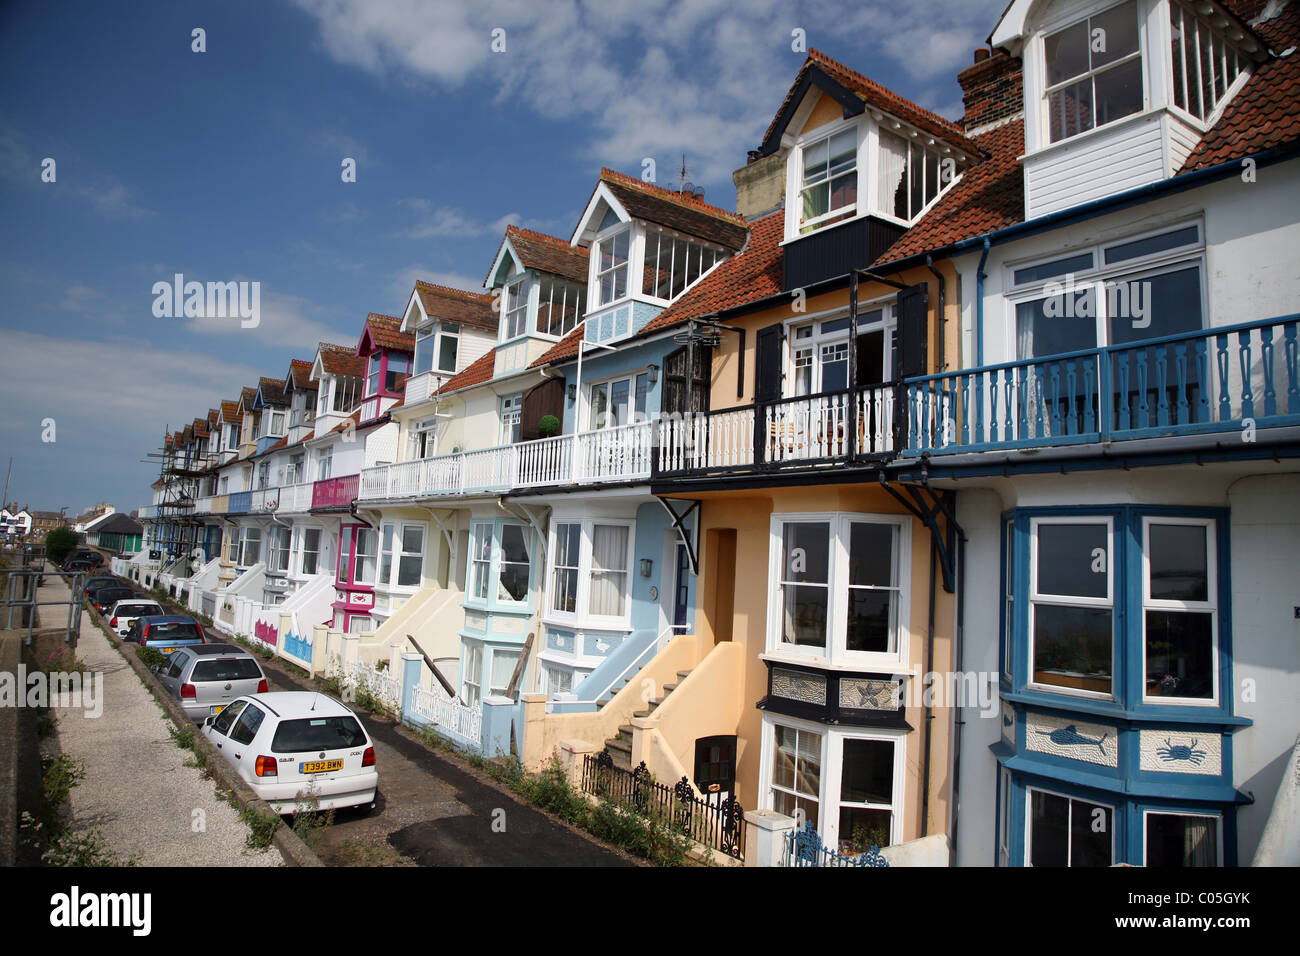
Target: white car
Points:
(291, 744)
(124, 613)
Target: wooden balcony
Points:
(1217, 380)
(334, 494)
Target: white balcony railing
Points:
(613, 454)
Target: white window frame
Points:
(472, 677)
(278, 546)
(568, 288)
(1036, 597)
(523, 288)
(836, 653)
(1210, 606)
(325, 463)
(246, 534)
(634, 417)
(301, 550)
(832, 772)
(356, 557)
(1142, 55)
(1242, 63)
(446, 330)
(1148, 812)
(580, 617)
(1069, 830)
(491, 567)
(832, 217)
(395, 554)
(659, 235)
(595, 300)
(512, 409)
(1102, 274)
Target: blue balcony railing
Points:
(1215, 380)
(240, 503)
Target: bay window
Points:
(611, 267)
(829, 181)
(909, 176)
(1066, 831)
(448, 346)
(436, 346)
(403, 548)
(310, 549)
(1180, 610)
(1071, 606)
(1176, 839)
(250, 547)
(345, 556)
(473, 674)
(397, 365)
(1205, 65)
(500, 568)
(366, 543)
(591, 564)
(1093, 72)
(425, 343)
(848, 783)
(503, 668)
(839, 588)
(277, 549)
(373, 371)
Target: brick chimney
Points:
(992, 89)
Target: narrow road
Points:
(138, 792)
(434, 811)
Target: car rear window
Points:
(173, 631)
(135, 610)
(237, 668)
(317, 733)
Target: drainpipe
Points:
(929, 707)
(943, 314)
(959, 651)
(980, 276)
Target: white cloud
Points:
(649, 78)
(426, 222)
(401, 282)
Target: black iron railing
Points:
(716, 822)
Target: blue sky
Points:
(225, 166)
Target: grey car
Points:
(207, 677)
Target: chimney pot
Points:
(982, 54)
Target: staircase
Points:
(620, 748)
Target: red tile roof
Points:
(385, 331)
(566, 348)
(676, 210)
(457, 305)
(214, 416)
(272, 390)
(230, 413)
(873, 94)
(989, 195)
(300, 371)
(537, 250)
(341, 360)
(246, 396)
(1266, 111)
(750, 275)
(478, 372)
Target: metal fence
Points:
(19, 589)
(804, 847)
(718, 822)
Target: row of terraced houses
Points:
(1013, 399)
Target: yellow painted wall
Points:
(749, 513)
(826, 111)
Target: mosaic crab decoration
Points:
(1189, 752)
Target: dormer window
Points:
(373, 372)
(909, 177)
(1093, 72)
(1205, 64)
(672, 264)
(560, 306)
(436, 348)
(611, 267)
(830, 180)
(515, 310)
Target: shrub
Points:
(548, 425)
(60, 543)
(151, 656)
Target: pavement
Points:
(435, 810)
(138, 793)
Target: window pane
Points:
(806, 552)
(868, 772)
(608, 570)
(1148, 246)
(871, 554)
(408, 570)
(1118, 37)
(892, 183)
(1058, 324)
(1066, 53)
(1155, 306)
(1179, 563)
(1058, 267)
(1118, 92)
(1069, 110)
(1180, 654)
(1049, 829)
(1175, 840)
(1090, 834)
(1072, 647)
(503, 668)
(872, 620)
(1073, 560)
(447, 353)
(861, 829)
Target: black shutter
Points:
(913, 331)
(767, 364)
(675, 394)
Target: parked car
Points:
(124, 612)
(207, 677)
(75, 565)
(98, 581)
(103, 599)
(166, 632)
(85, 554)
(288, 743)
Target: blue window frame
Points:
(1154, 578)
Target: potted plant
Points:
(548, 426)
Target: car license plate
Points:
(319, 766)
(217, 708)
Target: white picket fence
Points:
(448, 714)
(380, 684)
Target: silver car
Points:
(207, 677)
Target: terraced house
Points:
(945, 488)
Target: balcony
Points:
(419, 387)
(295, 498)
(239, 503)
(816, 430)
(607, 455)
(1216, 380)
(334, 494)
